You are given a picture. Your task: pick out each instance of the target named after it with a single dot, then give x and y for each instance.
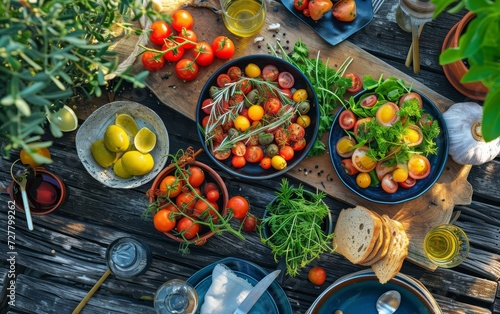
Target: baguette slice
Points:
(388, 267)
(356, 233)
(382, 252)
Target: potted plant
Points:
(479, 45)
(53, 50)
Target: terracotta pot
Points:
(46, 192)
(210, 176)
(456, 70)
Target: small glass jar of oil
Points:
(243, 18)
(446, 245)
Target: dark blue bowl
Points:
(254, 171)
(376, 194)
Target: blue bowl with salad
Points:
(257, 117)
(389, 144)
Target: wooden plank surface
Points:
(418, 216)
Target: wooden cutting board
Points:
(418, 216)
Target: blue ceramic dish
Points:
(331, 29)
(359, 292)
(273, 301)
(376, 194)
(255, 171)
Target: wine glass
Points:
(176, 297)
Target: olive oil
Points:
(244, 18)
(446, 245)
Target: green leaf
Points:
(441, 5)
(450, 55)
(32, 89)
(22, 106)
(479, 73)
(490, 126)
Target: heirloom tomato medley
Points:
(388, 136)
(256, 115)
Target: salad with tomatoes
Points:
(387, 136)
(257, 116)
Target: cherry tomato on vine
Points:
(171, 186)
(223, 47)
(187, 38)
(188, 227)
(317, 275)
(196, 176)
(160, 30)
(249, 223)
(174, 52)
(213, 195)
(164, 221)
(152, 61)
(203, 54)
(356, 83)
(182, 19)
(186, 69)
(239, 206)
(300, 4)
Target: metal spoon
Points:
(388, 302)
(21, 178)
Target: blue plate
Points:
(331, 29)
(376, 194)
(359, 293)
(273, 301)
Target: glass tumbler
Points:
(446, 245)
(243, 18)
(176, 297)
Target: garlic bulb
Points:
(467, 145)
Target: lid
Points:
(127, 257)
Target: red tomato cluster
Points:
(342, 10)
(177, 40)
(197, 198)
(272, 147)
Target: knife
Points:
(256, 293)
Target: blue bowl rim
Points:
(260, 58)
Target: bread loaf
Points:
(382, 252)
(356, 233)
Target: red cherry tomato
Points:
(388, 184)
(286, 152)
(196, 176)
(360, 127)
(239, 206)
(160, 31)
(209, 187)
(266, 163)
(234, 73)
(203, 54)
(213, 195)
(174, 52)
(238, 161)
(152, 61)
(223, 47)
(317, 275)
(249, 223)
(369, 101)
(349, 167)
(285, 80)
(188, 227)
(182, 19)
(223, 79)
(300, 4)
(186, 69)
(408, 183)
(188, 38)
(382, 169)
(270, 73)
(347, 119)
(272, 105)
(306, 12)
(254, 154)
(356, 83)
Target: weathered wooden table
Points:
(58, 262)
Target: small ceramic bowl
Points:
(210, 176)
(253, 171)
(45, 190)
(93, 129)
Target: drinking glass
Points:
(243, 18)
(446, 245)
(176, 297)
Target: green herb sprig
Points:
(328, 83)
(295, 228)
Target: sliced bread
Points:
(384, 248)
(388, 267)
(356, 233)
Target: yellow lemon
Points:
(116, 139)
(65, 119)
(145, 140)
(101, 154)
(127, 123)
(137, 163)
(119, 171)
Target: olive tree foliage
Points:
(51, 50)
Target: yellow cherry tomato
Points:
(300, 95)
(241, 123)
(255, 112)
(252, 70)
(303, 120)
(363, 180)
(400, 175)
(278, 162)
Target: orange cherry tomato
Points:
(170, 186)
(164, 220)
(317, 275)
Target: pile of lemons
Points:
(125, 147)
